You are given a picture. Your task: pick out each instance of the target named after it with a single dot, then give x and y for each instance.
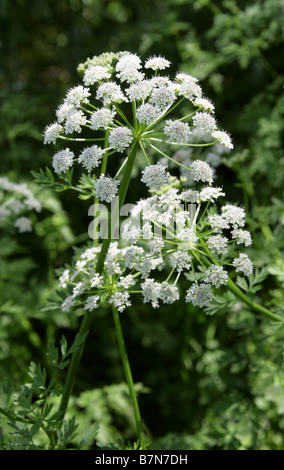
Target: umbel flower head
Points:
(124, 104)
(122, 100)
(164, 238)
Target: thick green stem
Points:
(74, 364)
(119, 201)
(87, 318)
(256, 307)
(128, 374)
(240, 294)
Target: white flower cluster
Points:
(90, 157)
(110, 80)
(200, 295)
(173, 244)
(243, 264)
(177, 131)
(155, 176)
(120, 138)
(23, 224)
(216, 276)
(17, 201)
(105, 188)
(169, 233)
(63, 160)
(102, 118)
(202, 171)
(153, 291)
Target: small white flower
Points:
(126, 281)
(199, 295)
(120, 138)
(202, 171)
(79, 289)
(157, 63)
(64, 110)
(147, 113)
(110, 92)
(52, 133)
(92, 303)
(224, 139)
(155, 176)
(23, 224)
(162, 97)
(101, 119)
(132, 256)
(130, 232)
(204, 121)
(216, 276)
(149, 264)
(15, 206)
(128, 60)
(180, 260)
(120, 300)
(155, 245)
(139, 91)
(218, 244)
(97, 281)
(190, 195)
(188, 237)
(90, 254)
(234, 215)
(204, 104)
(94, 74)
(33, 203)
(127, 68)
(63, 160)
(218, 223)
(77, 96)
(81, 264)
(210, 194)
(105, 188)
(74, 122)
(243, 264)
(177, 131)
(90, 157)
(64, 279)
(188, 86)
(151, 292)
(168, 293)
(67, 304)
(242, 236)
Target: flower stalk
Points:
(128, 374)
(240, 294)
(87, 318)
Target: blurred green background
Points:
(208, 381)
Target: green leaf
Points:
(38, 376)
(79, 339)
(52, 353)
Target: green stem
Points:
(87, 318)
(241, 295)
(258, 308)
(119, 201)
(128, 374)
(73, 367)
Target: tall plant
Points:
(124, 108)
